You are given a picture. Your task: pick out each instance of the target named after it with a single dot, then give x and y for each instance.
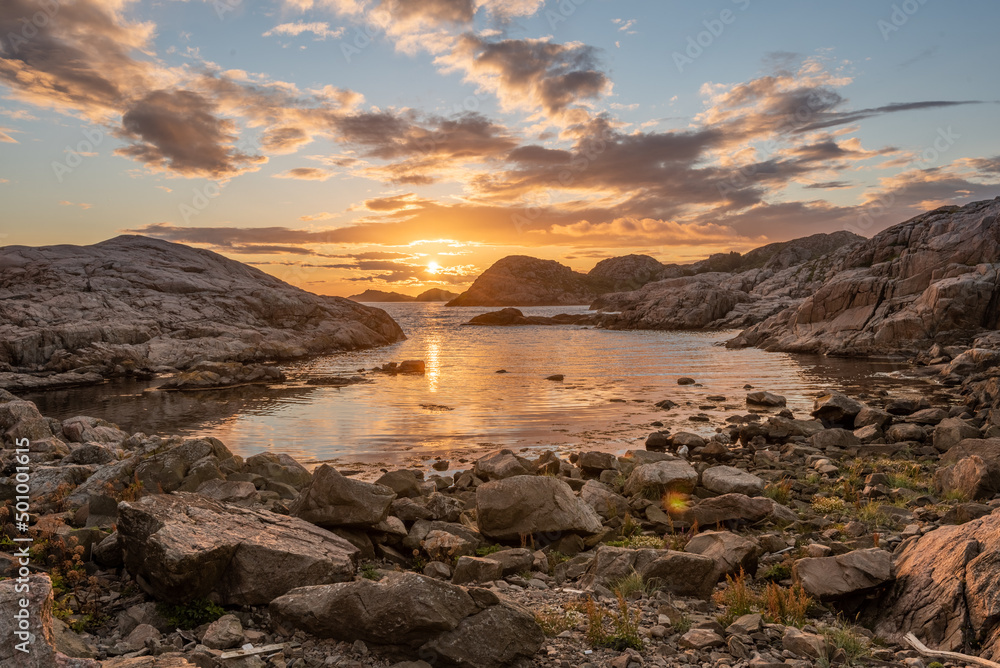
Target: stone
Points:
(476, 569)
(521, 506)
(811, 645)
(657, 442)
(726, 508)
(856, 572)
(239, 493)
(746, 624)
(604, 500)
(499, 465)
(596, 462)
(406, 609)
(947, 589)
(37, 634)
(447, 547)
(692, 441)
(142, 635)
(331, 500)
(872, 417)
(836, 409)
(678, 573)
(182, 547)
(987, 448)
(904, 431)
(729, 480)
(225, 632)
(279, 468)
(167, 471)
(404, 483)
(952, 431)
(701, 639)
(834, 438)
(730, 552)
(515, 560)
(654, 480)
(973, 478)
(765, 399)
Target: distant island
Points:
(432, 295)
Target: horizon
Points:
(346, 145)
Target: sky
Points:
(401, 145)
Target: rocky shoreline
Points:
(781, 540)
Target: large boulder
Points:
(836, 409)
(947, 589)
(854, 573)
(987, 448)
(678, 573)
(730, 480)
(331, 500)
(604, 500)
(182, 547)
(952, 431)
(730, 508)
(973, 478)
(433, 619)
(656, 479)
(278, 467)
(183, 465)
(731, 552)
(521, 506)
(499, 465)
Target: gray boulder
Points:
(184, 546)
(655, 479)
(729, 480)
(528, 505)
(331, 500)
(854, 573)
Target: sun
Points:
(433, 267)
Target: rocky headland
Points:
(135, 306)
(780, 540)
(432, 295)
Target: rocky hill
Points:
(934, 278)
(134, 305)
(436, 295)
(519, 280)
(730, 290)
(381, 296)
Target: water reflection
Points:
(461, 406)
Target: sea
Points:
(463, 406)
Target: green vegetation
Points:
(637, 542)
(631, 584)
(369, 572)
(488, 550)
(190, 615)
(775, 572)
(777, 604)
(779, 492)
(617, 630)
(846, 637)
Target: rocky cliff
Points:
(133, 304)
(934, 278)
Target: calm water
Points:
(462, 407)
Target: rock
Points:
(279, 468)
(678, 573)
(422, 528)
(142, 635)
(746, 624)
(951, 431)
(987, 448)
(727, 508)
(447, 547)
(218, 375)
(701, 639)
(225, 632)
(731, 552)
(331, 500)
(657, 442)
(518, 280)
(875, 417)
(239, 493)
(596, 462)
(36, 635)
(183, 546)
(404, 483)
(729, 480)
(836, 409)
(928, 416)
(187, 465)
(133, 303)
(903, 432)
(946, 589)
(432, 617)
(811, 645)
(476, 569)
(603, 500)
(514, 561)
(654, 480)
(416, 367)
(69, 643)
(685, 380)
(973, 478)
(834, 438)
(857, 572)
(931, 278)
(692, 441)
(520, 506)
(765, 399)
(499, 465)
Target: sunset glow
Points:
(337, 145)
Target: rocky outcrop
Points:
(731, 290)
(331, 500)
(947, 589)
(629, 272)
(376, 296)
(433, 619)
(521, 506)
(519, 280)
(182, 547)
(934, 278)
(133, 304)
(511, 317)
(435, 295)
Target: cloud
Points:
(325, 215)
(82, 205)
(830, 185)
(6, 138)
(321, 30)
(625, 26)
(305, 173)
(177, 130)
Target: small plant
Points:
(738, 598)
(555, 557)
(855, 645)
(190, 615)
(829, 505)
(873, 517)
(631, 584)
(779, 605)
(682, 624)
(488, 550)
(630, 527)
(624, 626)
(553, 623)
(775, 572)
(418, 560)
(955, 495)
(369, 572)
(638, 542)
(779, 492)
(786, 606)
(935, 664)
